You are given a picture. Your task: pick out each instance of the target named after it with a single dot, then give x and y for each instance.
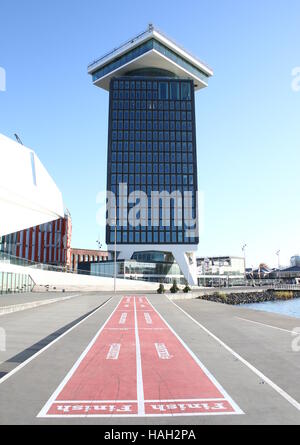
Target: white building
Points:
(220, 270)
(28, 194)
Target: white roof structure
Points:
(149, 49)
(28, 194)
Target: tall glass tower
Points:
(152, 154)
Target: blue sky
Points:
(247, 120)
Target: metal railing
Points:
(13, 283)
(123, 45)
(150, 29)
(286, 287)
(17, 261)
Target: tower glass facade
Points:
(152, 148)
(152, 157)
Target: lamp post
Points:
(278, 255)
(115, 258)
(244, 250)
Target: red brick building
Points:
(48, 243)
(80, 257)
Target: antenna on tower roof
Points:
(151, 27)
(18, 139)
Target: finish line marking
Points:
(151, 373)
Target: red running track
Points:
(138, 366)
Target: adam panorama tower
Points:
(152, 179)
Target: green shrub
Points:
(161, 289)
(187, 289)
(174, 289)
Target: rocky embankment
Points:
(250, 297)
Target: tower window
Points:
(163, 91)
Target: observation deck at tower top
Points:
(150, 49)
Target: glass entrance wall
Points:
(137, 270)
(13, 283)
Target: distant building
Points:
(81, 259)
(295, 261)
(48, 243)
(262, 272)
(290, 275)
(287, 275)
(223, 270)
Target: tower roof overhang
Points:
(151, 49)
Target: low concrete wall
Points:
(31, 305)
(73, 282)
(182, 296)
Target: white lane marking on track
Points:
(256, 371)
(22, 365)
(45, 409)
(139, 372)
(123, 318)
(124, 416)
(153, 329)
(118, 329)
(79, 402)
(267, 325)
(163, 352)
(140, 329)
(59, 402)
(114, 352)
(183, 400)
(237, 409)
(148, 318)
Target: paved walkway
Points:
(196, 363)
